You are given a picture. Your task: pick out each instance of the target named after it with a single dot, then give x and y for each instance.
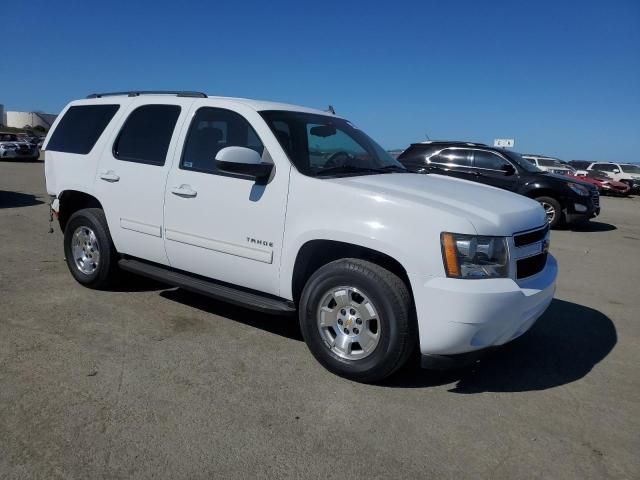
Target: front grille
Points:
(521, 239)
(529, 266)
(595, 198)
(535, 262)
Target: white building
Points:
(22, 119)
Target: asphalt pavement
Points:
(152, 382)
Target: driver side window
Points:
(488, 160)
(333, 149)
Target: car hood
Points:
(492, 211)
(568, 179)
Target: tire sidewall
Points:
(88, 219)
(558, 219)
(388, 321)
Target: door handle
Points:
(184, 191)
(109, 176)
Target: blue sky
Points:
(562, 78)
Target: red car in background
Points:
(605, 185)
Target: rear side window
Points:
(146, 134)
(79, 129)
(213, 129)
(452, 157)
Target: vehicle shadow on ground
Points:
(16, 199)
(283, 325)
(129, 282)
(594, 227)
(562, 347)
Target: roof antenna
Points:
(331, 110)
(427, 135)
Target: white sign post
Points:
(504, 142)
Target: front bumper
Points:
(581, 209)
(458, 316)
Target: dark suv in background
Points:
(565, 200)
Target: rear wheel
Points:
(89, 251)
(553, 211)
(356, 319)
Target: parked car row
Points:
(627, 173)
(19, 147)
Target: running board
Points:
(209, 288)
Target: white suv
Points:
(283, 208)
(550, 164)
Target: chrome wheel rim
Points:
(85, 250)
(549, 211)
(348, 323)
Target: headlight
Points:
(579, 189)
(472, 256)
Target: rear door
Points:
(132, 174)
(493, 169)
(453, 161)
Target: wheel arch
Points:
(73, 200)
(318, 252)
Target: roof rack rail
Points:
(136, 93)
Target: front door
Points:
(220, 225)
(133, 171)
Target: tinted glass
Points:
(8, 137)
(211, 130)
(457, 158)
(79, 129)
(604, 167)
(631, 168)
(320, 145)
(488, 160)
(146, 134)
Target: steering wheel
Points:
(332, 161)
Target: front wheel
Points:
(88, 248)
(356, 318)
(553, 211)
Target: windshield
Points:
(521, 161)
(322, 145)
(550, 163)
(631, 168)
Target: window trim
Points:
(124, 124)
(218, 172)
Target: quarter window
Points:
(452, 157)
(488, 160)
(80, 127)
(146, 134)
(211, 130)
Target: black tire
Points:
(392, 300)
(558, 220)
(106, 270)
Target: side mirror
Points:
(243, 161)
(616, 170)
(508, 169)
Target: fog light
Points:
(579, 208)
